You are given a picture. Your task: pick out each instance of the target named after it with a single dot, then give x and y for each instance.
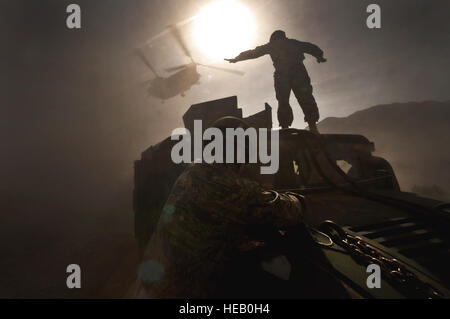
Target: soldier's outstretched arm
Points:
(311, 49)
(251, 54)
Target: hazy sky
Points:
(405, 60)
(73, 116)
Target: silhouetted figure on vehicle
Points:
(290, 74)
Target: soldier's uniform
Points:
(290, 74)
(201, 225)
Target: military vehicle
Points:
(356, 215)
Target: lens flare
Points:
(224, 28)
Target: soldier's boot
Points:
(285, 115)
(313, 127)
(311, 115)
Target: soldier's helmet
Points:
(277, 35)
(229, 122)
(233, 122)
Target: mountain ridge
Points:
(413, 136)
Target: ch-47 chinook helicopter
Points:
(182, 77)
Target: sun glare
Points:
(224, 28)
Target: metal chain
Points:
(398, 275)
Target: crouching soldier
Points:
(202, 224)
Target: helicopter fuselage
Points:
(177, 83)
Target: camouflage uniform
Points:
(290, 74)
(200, 227)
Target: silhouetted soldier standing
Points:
(290, 74)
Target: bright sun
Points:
(224, 28)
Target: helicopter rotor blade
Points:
(167, 31)
(237, 72)
(140, 54)
(176, 68)
(177, 35)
